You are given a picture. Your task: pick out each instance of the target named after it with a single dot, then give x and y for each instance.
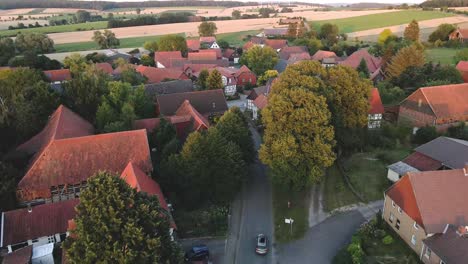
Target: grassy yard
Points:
(298, 211)
(442, 55)
(336, 193)
(352, 24)
(237, 39)
(210, 221)
(368, 171)
(56, 29)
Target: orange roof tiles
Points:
(74, 160)
(193, 44)
(63, 123)
(209, 55)
(105, 67)
(373, 63)
(276, 43)
(20, 256)
(322, 54)
(58, 75)
(157, 75)
(218, 52)
(376, 106)
(199, 121)
(462, 67)
(166, 57)
(207, 39)
(261, 101)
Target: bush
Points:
(425, 134)
(380, 233)
(387, 240)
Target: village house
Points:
(193, 45)
(158, 75)
(233, 78)
(353, 61)
(165, 59)
(192, 70)
(57, 78)
(376, 110)
(275, 32)
(231, 55)
(286, 52)
(462, 67)
(442, 153)
(105, 67)
(428, 211)
(258, 104)
(275, 44)
(438, 106)
(209, 43)
(460, 34)
(176, 86)
(326, 58)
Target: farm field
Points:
(441, 55)
(372, 21)
(56, 29)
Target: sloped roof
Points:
(286, 52)
(376, 106)
(207, 39)
(281, 65)
(208, 55)
(463, 32)
(261, 101)
(157, 75)
(166, 57)
(218, 52)
(248, 45)
(20, 256)
(58, 75)
(198, 67)
(462, 66)
(422, 162)
(63, 123)
(451, 152)
(44, 220)
(433, 198)
(177, 86)
(373, 63)
(193, 44)
(276, 43)
(296, 57)
(449, 246)
(206, 102)
(152, 123)
(257, 91)
(74, 160)
(445, 101)
(105, 67)
(228, 53)
(402, 168)
(322, 54)
(199, 121)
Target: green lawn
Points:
(298, 211)
(56, 29)
(237, 39)
(336, 192)
(136, 42)
(368, 171)
(442, 55)
(352, 24)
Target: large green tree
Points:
(299, 138)
(412, 31)
(115, 224)
(7, 50)
(214, 80)
(442, 32)
(202, 77)
(76, 63)
(330, 33)
(106, 40)
(234, 127)
(260, 59)
(172, 43)
(34, 42)
(406, 57)
(207, 29)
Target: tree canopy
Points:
(106, 40)
(260, 59)
(330, 33)
(202, 77)
(442, 32)
(7, 50)
(172, 43)
(207, 29)
(412, 31)
(406, 57)
(34, 42)
(384, 35)
(115, 224)
(214, 80)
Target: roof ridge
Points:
(102, 135)
(430, 105)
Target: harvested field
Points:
(72, 28)
(4, 25)
(19, 11)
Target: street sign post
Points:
(289, 221)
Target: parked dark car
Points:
(198, 253)
(262, 245)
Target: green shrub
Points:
(380, 233)
(425, 134)
(356, 252)
(387, 240)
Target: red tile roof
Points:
(446, 102)
(74, 160)
(58, 75)
(433, 198)
(228, 53)
(248, 45)
(373, 63)
(20, 256)
(207, 39)
(166, 57)
(276, 43)
(206, 102)
(44, 220)
(422, 162)
(286, 52)
(63, 123)
(199, 121)
(105, 67)
(157, 75)
(208, 55)
(218, 52)
(296, 57)
(181, 123)
(322, 54)
(462, 66)
(193, 44)
(138, 180)
(261, 101)
(198, 67)
(376, 106)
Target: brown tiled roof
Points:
(74, 160)
(193, 44)
(296, 57)
(157, 75)
(206, 102)
(181, 124)
(105, 67)
(44, 220)
(58, 75)
(322, 54)
(433, 198)
(449, 246)
(257, 91)
(286, 52)
(463, 32)
(376, 106)
(446, 102)
(20, 256)
(63, 123)
(166, 57)
(218, 52)
(422, 162)
(261, 101)
(373, 63)
(276, 43)
(462, 66)
(228, 53)
(199, 121)
(177, 86)
(248, 45)
(207, 39)
(208, 55)
(198, 67)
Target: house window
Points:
(416, 226)
(397, 225)
(399, 210)
(51, 239)
(428, 252)
(393, 203)
(413, 240)
(392, 218)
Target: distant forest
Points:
(445, 3)
(104, 5)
